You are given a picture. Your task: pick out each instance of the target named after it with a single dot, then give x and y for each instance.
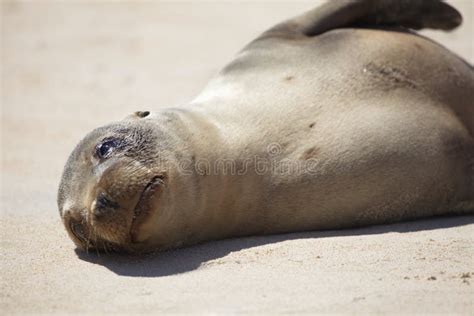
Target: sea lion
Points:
(341, 117)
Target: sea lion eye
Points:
(104, 149)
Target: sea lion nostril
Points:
(78, 230)
(103, 202)
(142, 113)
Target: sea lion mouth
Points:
(144, 204)
(146, 195)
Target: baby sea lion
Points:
(341, 117)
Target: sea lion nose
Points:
(77, 229)
(105, 202)
(76, 225)
(104, 205)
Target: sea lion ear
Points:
(137, 115)
(414, 14)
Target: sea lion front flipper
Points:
(414, 14)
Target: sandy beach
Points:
(68, 67)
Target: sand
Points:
(68, 67)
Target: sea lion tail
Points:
(413, 14)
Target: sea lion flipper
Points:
(414, 14)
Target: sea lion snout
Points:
(102, 203)
(116, 197)
(109, 184)
(114, 202)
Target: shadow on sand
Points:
(188, 259)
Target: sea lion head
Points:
(112, 182)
